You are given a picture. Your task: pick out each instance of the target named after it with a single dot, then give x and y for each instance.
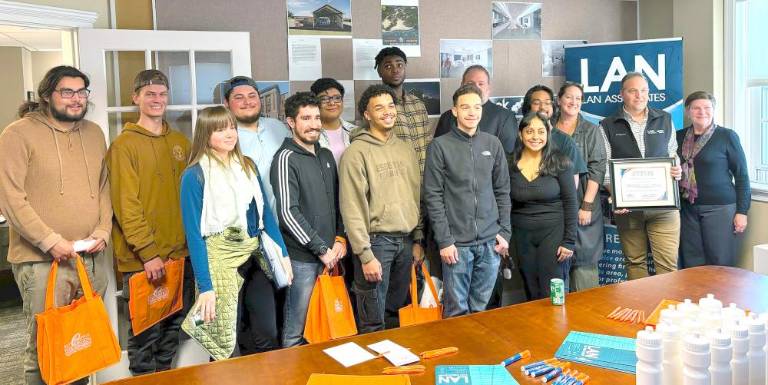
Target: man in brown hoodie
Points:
(380, 182)
(145, 165)
(54, 191)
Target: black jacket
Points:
(466, 189)
(306, 189)
(496, 120)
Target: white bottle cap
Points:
(720, 339)
(648, 338)
(694, 343)
(756, 326)
(740, 331)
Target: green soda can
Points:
(557, 291)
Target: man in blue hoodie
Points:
(466, 190)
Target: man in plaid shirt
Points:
(412, 122)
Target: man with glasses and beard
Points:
(54, 192)
(260, 137)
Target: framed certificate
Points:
(644, 184)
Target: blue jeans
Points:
(297, 301)
(379, 300)
(468, 284)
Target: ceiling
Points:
(33, 39)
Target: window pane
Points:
(211, 68)
(180, 121)
(757, 30)
(122, 68)
(117, 121)
(175, 65)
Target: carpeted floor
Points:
(14, 336)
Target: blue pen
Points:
(549, 376)
(540, 371)
(528, 367)
(516, 357)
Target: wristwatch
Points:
(587, 206)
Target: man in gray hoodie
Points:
(466, 190)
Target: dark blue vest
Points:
(658, 131)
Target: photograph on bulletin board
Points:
(553, 56)
(273, 95)
(400, 25)
(516, 21)
(428, 90)
(458, 54)
(326, 18)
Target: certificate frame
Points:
(644, 183)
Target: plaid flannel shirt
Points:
(412, 126)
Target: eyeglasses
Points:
(67, 93)
(331, 99)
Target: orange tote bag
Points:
(75, 340)
(413, 314)
(150, 302)
(329, 315)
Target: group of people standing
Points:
(321, 192)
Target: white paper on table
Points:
(349, 100)
(364, 53)
(393, 352)
(83, 245)
(304, 58)
(349, 354)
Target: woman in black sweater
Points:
(544, 209)
(714, 189)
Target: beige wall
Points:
(101, 7)
(13, 83)
(517, 63)
(700, 24)
(41, 63)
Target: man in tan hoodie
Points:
(54, 192)
(380, 182)
(145, 165)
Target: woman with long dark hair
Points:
(543, 206)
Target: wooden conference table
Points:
(491, 336)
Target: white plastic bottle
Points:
(721, 353)
(672, 363)
(710, 313)
(696, 360)
(671, 316)
(732, 314)
(740, 342)
(649, 357)
(756, 354)
(689, 309)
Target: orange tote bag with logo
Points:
(414, 314)
(75, 340)
(329, 315)
(150, 302)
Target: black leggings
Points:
(257, 329)
(537, 251)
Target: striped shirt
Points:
(638, 132)
(412, 126)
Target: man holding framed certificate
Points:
(642, 152)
